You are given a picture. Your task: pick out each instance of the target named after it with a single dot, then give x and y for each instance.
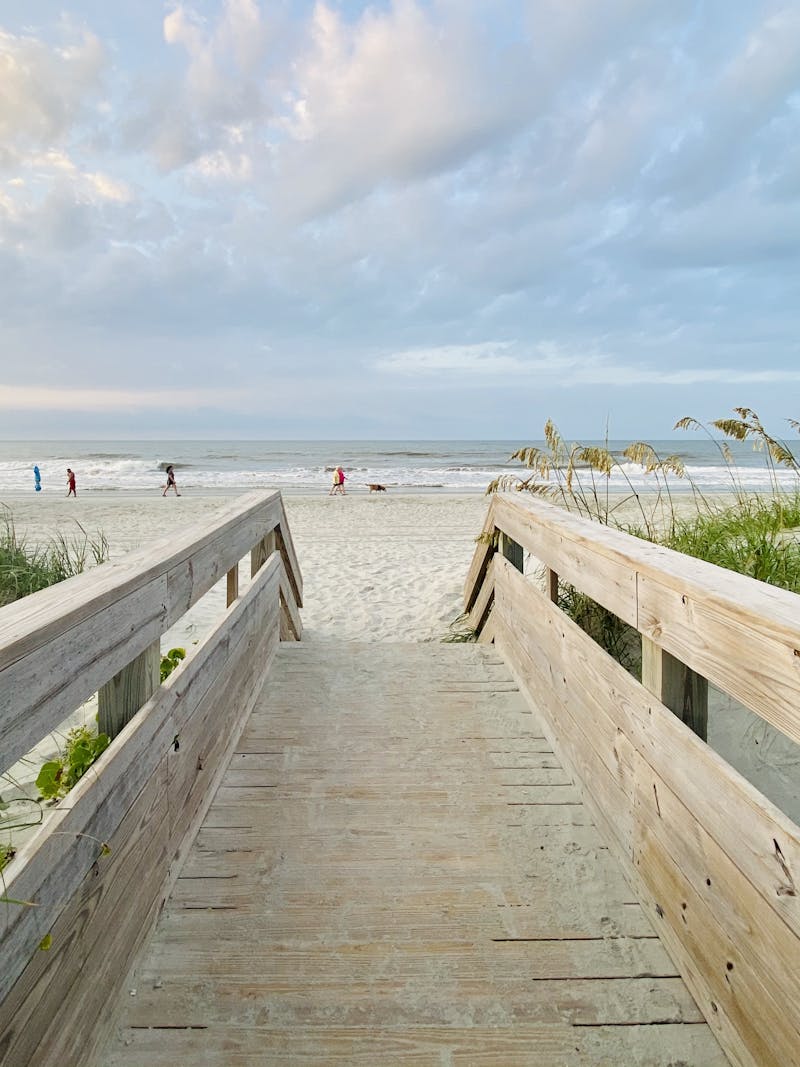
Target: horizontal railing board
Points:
(57, 652)
(36, 620)
(87, 928)
(742, 651)
(749, 924)
(605, 803)
(741, 634)
(746, 825)
(597, 711)
(575, 549)
(50, 866)
(39, 691)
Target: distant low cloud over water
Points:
(316, 218)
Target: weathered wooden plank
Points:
(38, 619)
(49, 868)
(762, 840)
(289, 609)
(583, 1002)
(740, 634)
(731, 633)
(710, 791)
(487, 634)
(484, 550)
(37, 692)
(581, 552)
(476, 616)
(607, 797)
(99, 622)
(289, 556)
(91, 917)
(742, 948)
(554, 1045)
(378, 877)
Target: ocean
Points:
(306, 466)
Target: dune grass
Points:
(26, 568)
(751, 533)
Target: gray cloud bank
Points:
(318, 219)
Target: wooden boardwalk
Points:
(397, 870)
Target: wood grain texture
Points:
(396, 867)
(59, 646)
(740, 634)
(713, 864)
(177, 745)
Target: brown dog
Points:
(375, 488)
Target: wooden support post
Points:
(551, 585)
(120, 699)
(233, 585)
(512, 551)
(678, 687)
(260, 553)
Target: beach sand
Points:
(382, 567)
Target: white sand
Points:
(382, 567)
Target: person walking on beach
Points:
(341, 480)
(335, 487)
(171, 483)
(71, 490)
(37, 479)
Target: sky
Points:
(399, 219)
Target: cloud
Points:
(608, 185)
(392, 97)
(45, 91)
(103, 401)
(550, 366)
(209, 118)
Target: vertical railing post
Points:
(232, 589)
(678, 687)
(551, 585)
(120, 698)
(511, 550)
(260, 552)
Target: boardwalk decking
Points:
(397, 870)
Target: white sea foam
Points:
(306, 466)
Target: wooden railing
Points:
(715, 864)
(97, 872)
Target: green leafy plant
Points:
(57, 777)
(171, 660)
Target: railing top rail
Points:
(741, 634)
(36, 619)
(605, 542)
(58, 646)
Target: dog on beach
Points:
(375, 488)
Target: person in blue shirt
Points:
(37, 479)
